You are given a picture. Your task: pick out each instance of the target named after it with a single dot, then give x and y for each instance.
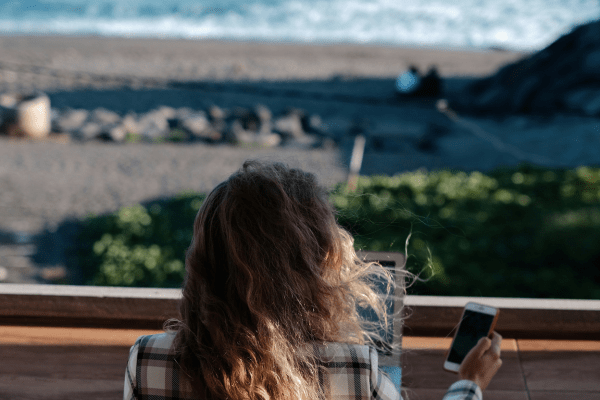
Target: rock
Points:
(70, 120)
(34, 116)
(199, 127)
(196, 123)
(565, 76)
(9, 100)
(8, 120)
(130, 123)
(116, 133)
(105, 117)
(248, 119)
(217, 119)
(184, 112)
(268, 139)
(217, 113)
(305, 142)
(154, 124)
(166, 112)
(90, 130)
(290, 125)
(98, 124)
(242, 137)
(264, 114)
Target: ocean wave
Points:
(511, 24)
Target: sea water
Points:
(473, 24)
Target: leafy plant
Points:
(525, 232)
(519, 232)
(139, 245)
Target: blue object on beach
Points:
(408, 82)
(395, 374)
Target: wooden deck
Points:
(89, 363)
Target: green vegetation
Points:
(522, 232)
(139, 245)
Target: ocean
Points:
(461, 24)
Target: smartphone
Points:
(477, 321)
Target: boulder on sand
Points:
(34, 116)
(563, 77)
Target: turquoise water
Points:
(477, 24)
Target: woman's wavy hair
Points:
(269, 272)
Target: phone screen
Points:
(473, 327)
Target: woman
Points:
(269, 307)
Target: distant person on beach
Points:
(411, 84)
(269, 306)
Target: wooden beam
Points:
(87, 306)
(141, 308)
(519, 318)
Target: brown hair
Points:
(269, 271)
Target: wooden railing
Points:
(142, 308)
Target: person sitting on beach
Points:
(269, 306)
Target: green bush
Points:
(138, 245)
(524, 232)
(521, 232)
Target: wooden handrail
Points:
(87, 306)
(519, 318)
(143, 308)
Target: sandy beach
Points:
(42, 185)
(185, 60)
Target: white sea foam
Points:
(511, 24)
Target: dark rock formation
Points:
(563, 77)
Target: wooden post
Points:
(356, 161)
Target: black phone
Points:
(477, 321)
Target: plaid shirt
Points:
(152, 373)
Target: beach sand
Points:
(186, 60)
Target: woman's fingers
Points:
(482, 346)
(495, 344)
(477, 352)
(483, 361)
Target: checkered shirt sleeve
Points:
(129, 389)
(463, 390)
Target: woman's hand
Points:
(482, 362)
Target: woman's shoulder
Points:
(160, 342)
